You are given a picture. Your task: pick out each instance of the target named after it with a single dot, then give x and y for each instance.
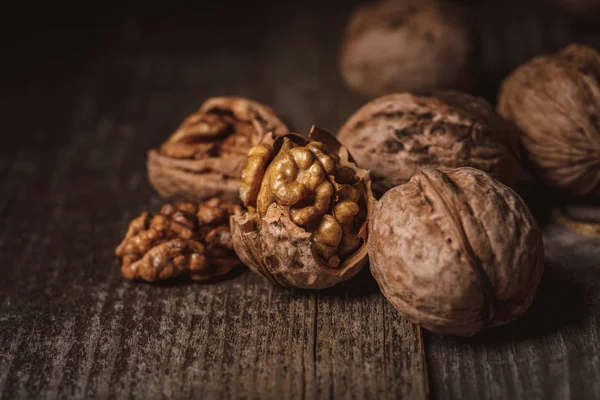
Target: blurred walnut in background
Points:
(205, 156)
(406, 45)
(555, 101)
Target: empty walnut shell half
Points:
(182, 239)
(555, 101)
(205, 156)
(396, 136)
(456, 252)
(393, 46)
(308, 210)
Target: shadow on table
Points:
(363, 284)
(185, 281)
(561, 302)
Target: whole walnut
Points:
(184, 238)
(456, 252)
(394, 46)
(308, 210)
(396, 136)
(205, 156)
(555, 101)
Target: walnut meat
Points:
(396, 136)
(188, 239)
(456, 252)
(394, 46)
(555, 101)
(205, 156)
(308, 209)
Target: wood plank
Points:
(73, 328)
(551, 352)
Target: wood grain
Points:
(73, 328)
(72, 176)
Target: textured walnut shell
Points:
(456, 252)
(555, 101)
(214, 172)
(394, 46)
(275, 247)
(396, 136)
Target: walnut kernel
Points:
(308, 208)
(181, 239)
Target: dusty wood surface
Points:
(72, 175)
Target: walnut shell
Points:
(555, 101)
(182, 239)
(396, 136)
(456, 252)
(406, 45)
(308, 212)
(205, 156)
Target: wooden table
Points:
(77, 122)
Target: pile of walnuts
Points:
(451, 244)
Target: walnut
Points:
(308, 209)
(394, 46)
(456, 252)
(396, 136)
(181, 239)
(205, 156)
(555, 101)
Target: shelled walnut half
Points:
(308, 205)
(205, 156)
(182, 239)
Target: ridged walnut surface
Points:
(395, 46)
(182, 239)
(205, 156)
(307, 222)
(555, 101)
(456, 252)
(398, 135)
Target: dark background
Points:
(86, 89)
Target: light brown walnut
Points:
(308, 208)
(393, 46)
(555, 102)
(205, 156)
(457, 252)
(182, 239)
(398, 135)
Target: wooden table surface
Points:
(76, 127)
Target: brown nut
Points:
(188, 239)
(308, 211)
(205, 156)
(456, 252)
(555, 101)
(395, 46)
(396, 136)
